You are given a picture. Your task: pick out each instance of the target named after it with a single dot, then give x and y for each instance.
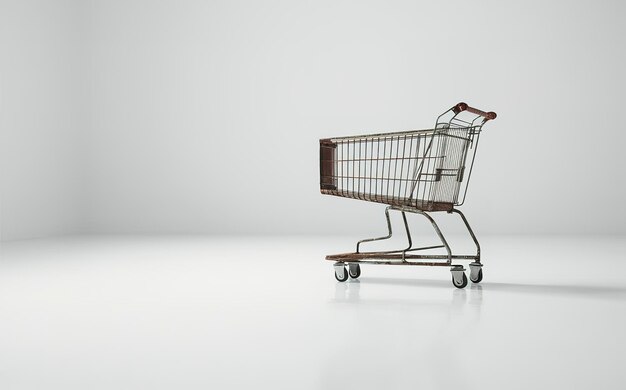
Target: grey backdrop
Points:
(203, 116)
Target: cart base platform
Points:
(396, 258)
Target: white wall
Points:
(204, 116)
(42, 118)
(207, 114)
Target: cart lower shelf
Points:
(397, 258)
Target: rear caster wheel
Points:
(459, 283)
(341, 274)
(354, 270)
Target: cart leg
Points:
(408, 232)
(476, 267)
(471, 232)
(438, 231)
(378, 238)
(406, 226)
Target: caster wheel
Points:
(478, 278)
(354, 270)
(462, 284)
(341, 274)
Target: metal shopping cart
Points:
(418, 171)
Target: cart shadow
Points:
(577, 291)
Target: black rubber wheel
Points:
(345, 276)
(462, 285)
(358, 272)
(479, 278)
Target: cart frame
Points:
(331, 178)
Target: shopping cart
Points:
(418, 171)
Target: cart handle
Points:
(464, 107)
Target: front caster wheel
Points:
(341, 274)
(478, 278)
(476, 272)
(354, 270)
(460, 283)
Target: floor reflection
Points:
(476, 296)
(460, 299)
(574, 291)
(348, 291)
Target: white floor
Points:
(266, 312)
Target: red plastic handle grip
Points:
(464, 107)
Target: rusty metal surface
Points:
(416, 204)
(386, 257)
(328, 151)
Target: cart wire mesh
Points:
(421, 169)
